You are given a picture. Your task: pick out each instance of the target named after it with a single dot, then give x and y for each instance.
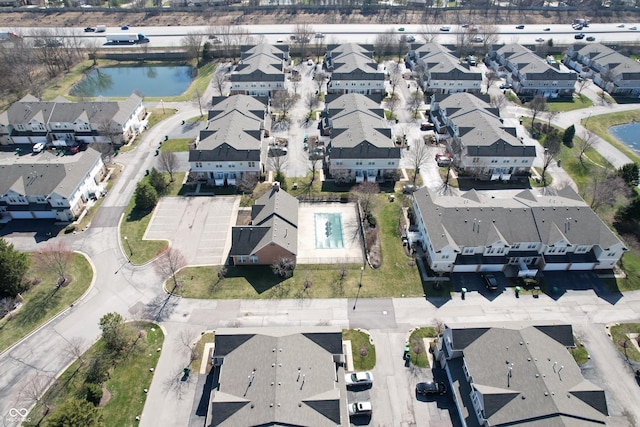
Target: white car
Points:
(633, 28)
(445, 28)
(620, 25)
(358, 378)
(309, 62)
(360, 408)
(38, 147)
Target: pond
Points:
(628, 134)
(149, 80)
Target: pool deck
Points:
(351, 253)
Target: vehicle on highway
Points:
(401, 29)
(577, 26)
(445, 28)
(591, 39)
(279, 41)
(319, 36)
(360, 408)
(490, 282)
(539, 39)
(620, 25)
(38, 147)
(465, 25)
(478, 39)
(547, 29)
(358, 378)
(431, 387)
(89, 30)
(101, 28)
(129, 38)
(579, 36)
(633, 28)
(124, 27)
(520, 27)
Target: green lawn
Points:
(126, 383)
(135, 223)
(157, 115)
(363, 352)
(398, 276)
(601, 124)
(420, 354)
(208, 337)
(43, 301)
(578, 102)
(176, 145)
(619, 336)
(197, 119)
(580, 353)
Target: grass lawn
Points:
(420, 354)
(197, 119)
(601, 124)
(580, 353)
(157, 115)
(363, 352)
(176, 144)
(580, 173)
(208, 337)
(127, 380)
(619, 337)
(398, 276)
(62, 86)
(578, 102)
(389, 115)
(135, 223)
(42, 302)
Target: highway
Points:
(559, 33)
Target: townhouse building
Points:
(229, 149)
(481, 145)
(610, 70)
(361, 145)
(62, 122)
(516, 232)
(352, 69)
(440, 71)
(261, 70)
(529, 74)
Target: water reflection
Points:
(149, 80)
(628, 135)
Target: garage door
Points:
(20, 214)
(44, 214)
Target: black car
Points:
(431, 387)
(409, 188)
(490, 281)
(591, 39)
(520, 27)
(579, 36)
(89, 30)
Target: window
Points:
(242, 259)
(253, 259)
(198, 164)
(251, 164)
(531, 246)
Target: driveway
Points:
(200, 227)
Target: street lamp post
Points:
(129, 246)
(359, 287)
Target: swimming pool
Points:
(328, 230)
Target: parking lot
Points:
(200, 227)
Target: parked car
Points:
(471, 60)
(591, 39)
(427, 126)
(505, 86)
(410, 39)
(309, 62)
(358, 378)
(276, 151)
(89, 30)
(409, 188)
(38, 147)
(360, 408)
(520, 27)
(445, 28)
(490, 282)
(478, 39)
(319, 36)
(431, 387)
(579, 36)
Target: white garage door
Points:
(20, 214)
(465, 268)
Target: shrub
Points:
(69, 229)
(93, 393)
(371, 220)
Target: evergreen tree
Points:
(146, 196)
(567, 137)
(13, 267)
(630, 174)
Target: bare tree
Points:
(311, 101)
(585, 142)
(197, 99)
(169, 263)
(491, 77)
(429, 33)
(283, 101)
(276, 163)
(303, 33)
(537, 105)
(384, 42)
(499, 101)
(319, 79)
(580, 85)
(606, 188)
(415, 101)
(188, 340)
(315, 165)
(551, 114)
(392, 103)
(417, 157)
(76, 347)
(112, 135)
(219, 81)
(192, 43)
(168, 162)
(366, 194)
(395, 76)
(55, 256)
(35, 387)
(551, 149)
(283, 267)
(92, 48)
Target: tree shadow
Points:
(260, 277)
(39, 305)
(137, 214)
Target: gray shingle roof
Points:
(528, 216)
(615, 61)
(47, 174)
(443, 65)
(358, 129)
(234, 131)
(278, 376)
(351, 61)
(261, 62)
(532, 65)
(544, 382)
(274, 220)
